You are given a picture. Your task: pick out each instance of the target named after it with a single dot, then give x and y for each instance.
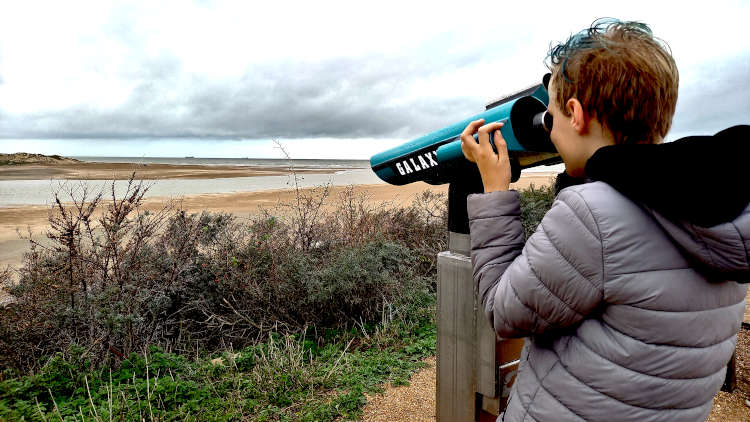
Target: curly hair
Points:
(622, 75)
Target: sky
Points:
(324, 79)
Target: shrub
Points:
(117, 278)
(109, 318)
(535, 202)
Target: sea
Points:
(342, 173)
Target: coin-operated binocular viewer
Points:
(474, 368)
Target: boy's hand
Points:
(494, 168)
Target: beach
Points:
(21, 219)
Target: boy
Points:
(625, 291)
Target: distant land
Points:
(25, 166)
(20, 158)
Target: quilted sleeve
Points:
(553, 281)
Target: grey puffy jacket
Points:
(627, 313)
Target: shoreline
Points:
(240, 204)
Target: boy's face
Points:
(565, 138)
(575, 136)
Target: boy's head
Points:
(613, 81)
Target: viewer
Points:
(624, 292)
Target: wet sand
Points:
(122, 171)
(242, 204)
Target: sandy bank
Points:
(121, 171)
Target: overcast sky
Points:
(327, 79)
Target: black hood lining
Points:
(704, 180)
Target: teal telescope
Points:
(436, 158)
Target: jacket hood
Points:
(697, 188)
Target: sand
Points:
(243, 204)
(119, 171)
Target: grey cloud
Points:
(344, 97)
(714, 98)
(347, 97)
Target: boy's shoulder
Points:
(604, 204)
(594, 192)
(632, 238)
(589, 188)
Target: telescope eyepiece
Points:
(547, 121)
(542, 120)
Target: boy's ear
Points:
(578, 118)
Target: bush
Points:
(321, 305)
(118, 279)
(535, 202)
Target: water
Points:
(251, 162)
(266, 162)
(345, 172)
(41, 192)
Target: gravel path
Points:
(408, 403)
(732, 407)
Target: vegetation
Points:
(292, 315)
(21, 158)
(535, 202)
(283, 378)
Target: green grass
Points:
(285, 378)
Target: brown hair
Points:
(623, 77)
